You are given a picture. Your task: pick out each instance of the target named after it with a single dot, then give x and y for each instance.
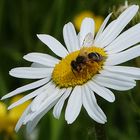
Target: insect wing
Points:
(88, 41)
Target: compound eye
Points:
(92, 55)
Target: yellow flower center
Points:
(64, 75)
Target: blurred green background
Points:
(20, 21)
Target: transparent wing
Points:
(88, 41)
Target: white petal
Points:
(44, 108)
(125, 40)
(87, 26)
(117, 76)
(50, 88)
(20, 121)
(27, 87)
(124, 56)
(103, 26)
(101, 91)
(53, 44)
(31, 73)
(130, 72)
(91, 106)
(28, 97)
(113, 83)
(32, 123)
(33, 116)
(36, 65)
(58, 107)
(41, 58)
(22, 100)
(74, 105)
(70, 37)
(100, 39)
(48, 101)
(118, 26)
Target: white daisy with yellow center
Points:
(60, 80)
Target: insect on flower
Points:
(84, 58)
(95, 61)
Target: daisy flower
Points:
(87, 66)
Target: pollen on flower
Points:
(64, 76)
